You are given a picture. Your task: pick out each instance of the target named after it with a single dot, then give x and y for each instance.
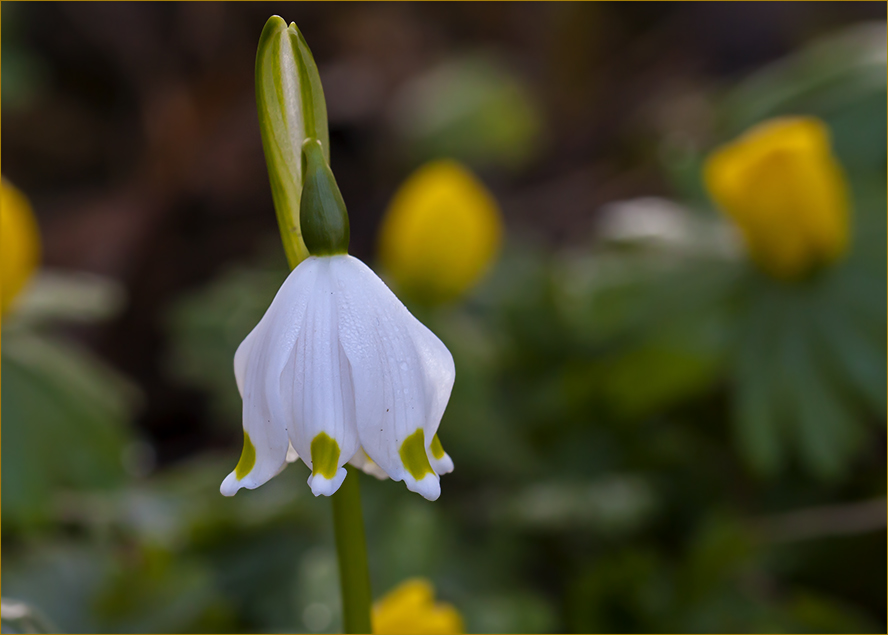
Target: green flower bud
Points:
(322, 211)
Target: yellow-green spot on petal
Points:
(413, 455)
(248, 458)
(437, 448)
(324, 455)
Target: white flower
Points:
(339, 369)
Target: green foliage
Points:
(810, 361)
(808, 376)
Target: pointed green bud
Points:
(291, 106)
(322, 211)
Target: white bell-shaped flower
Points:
(340, 371)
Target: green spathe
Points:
(322, 211)
(247, 459)
(413, 455)
(324, 455)
(291, 107)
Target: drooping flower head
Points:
(782, 186)
(338, 370)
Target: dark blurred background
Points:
(132, 128)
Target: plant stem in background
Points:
(351, 548)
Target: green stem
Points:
(351, 547)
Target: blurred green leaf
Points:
(861, 365)
(156, 591)
(828, 432)
(626, 591)
(472, 108)
(59, 580)
(816, 613)
(756, 416)
(798, 365)
(65, 423)
(520, 612)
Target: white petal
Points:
(257, 365)
(268, 439)
(241, 355)
(316, 387)
(444, 465)
(402, 372)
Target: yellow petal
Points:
(440, 233)
(19, 242)
(411, 609)
(782, 186)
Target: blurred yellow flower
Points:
(440, 233)
(410, 609)
(19, 242)
(782, 186)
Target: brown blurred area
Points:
(138, 143)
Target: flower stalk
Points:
(351, 549)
